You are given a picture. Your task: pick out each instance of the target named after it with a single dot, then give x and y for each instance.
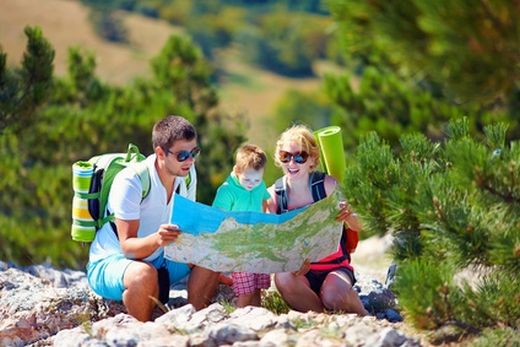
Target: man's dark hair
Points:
(171, 129)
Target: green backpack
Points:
(92, 180)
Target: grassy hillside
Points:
(65, 23)
(244, 89)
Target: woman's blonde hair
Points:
(303, 136)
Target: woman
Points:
(327, 283)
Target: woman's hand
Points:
(345, 211)
(306, 266)
(348, 216)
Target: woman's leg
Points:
(337, 294)
(297, 291)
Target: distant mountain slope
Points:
(65, 24)
(244, 89)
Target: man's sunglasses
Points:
(184, 154)
(299, 158)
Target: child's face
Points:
(250, 178)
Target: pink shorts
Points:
(248, 282)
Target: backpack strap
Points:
(142, 171)
(187, 181)
(282, 201)
(317, 185)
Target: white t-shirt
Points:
(125, 202)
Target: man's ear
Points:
(159, 152)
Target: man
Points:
(128, 264)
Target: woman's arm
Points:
(346, 214)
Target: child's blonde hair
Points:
(303, 136)
(249, 156)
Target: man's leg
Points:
(141, 290)
(202, 285)
(119, 278)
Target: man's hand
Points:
(167, 233)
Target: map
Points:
(253, 241)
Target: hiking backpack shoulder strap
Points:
(142, 171)
(317, 186)
(280, 190)
(187, 182)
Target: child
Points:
(244, 190)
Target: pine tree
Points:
(181, 68)
(23, 90)
(469, 47)
(451, 205)
(50, 122)
(428, 62)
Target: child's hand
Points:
(306, 266)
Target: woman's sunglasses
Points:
(185, 155)
(299, 158)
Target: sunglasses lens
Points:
(183, 155)
(299, 158)
(285, 157)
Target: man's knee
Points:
(141, 275)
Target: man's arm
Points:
(139, 248)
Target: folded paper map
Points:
(252, 241)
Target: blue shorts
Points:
(105, 276)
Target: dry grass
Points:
(255, 93)
(248, 90)
(66, 24)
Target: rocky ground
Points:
(42, 306)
